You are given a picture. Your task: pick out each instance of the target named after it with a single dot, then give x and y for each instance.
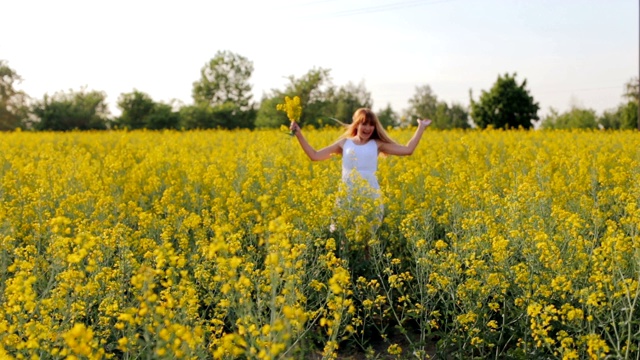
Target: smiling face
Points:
(365, 130)
(366, 126)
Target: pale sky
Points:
(571, 52)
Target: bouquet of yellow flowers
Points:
(292, 107)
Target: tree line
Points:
(222, 99)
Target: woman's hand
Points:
(424, 123)
(294, 127)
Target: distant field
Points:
(216, 244)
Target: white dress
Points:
(359, 166)
(360, 162)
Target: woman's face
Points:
(365, 130)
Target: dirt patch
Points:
(380, 351)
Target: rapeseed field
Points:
(230, 245)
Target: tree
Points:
(226, 116)
(162, 117)
(388, 117)
(315, 91)
(632, 94)
(135, 107)
(576, 118)
(13, 103)
(80, 110)
(625, 116)
(197, 116)
(224, 80)
(139, 111)
(632, 90)
(458, 116)
(205, 116)
(268, 116)
(610, 119)
(629, 115)
(425, 104)
(506, 105)
(348, 99)
(454, 117)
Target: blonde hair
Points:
(366, 116)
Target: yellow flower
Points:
(292, 107)
(394, 349)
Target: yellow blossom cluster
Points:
(229, 245)
(292, 107)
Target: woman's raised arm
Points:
(313, 154)
(397, 149)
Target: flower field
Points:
(217, 245)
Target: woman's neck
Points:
(359, 141)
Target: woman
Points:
(360, 145)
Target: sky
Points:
(572, 53)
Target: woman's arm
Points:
(315, 155)
(396, 149)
